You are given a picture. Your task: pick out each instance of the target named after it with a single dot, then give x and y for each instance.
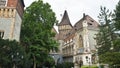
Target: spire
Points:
(65, 20)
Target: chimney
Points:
(83, 15)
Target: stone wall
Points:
(10, 23)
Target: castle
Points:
(77, 43)
(11, 12)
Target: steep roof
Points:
(65, 20)
(91, 22)
(79, 25)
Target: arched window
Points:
(80, 41)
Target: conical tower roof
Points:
(65, 20)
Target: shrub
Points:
(49, 62)
(89, 67)
(65, 65)
(84, 67)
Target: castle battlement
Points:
(7, 12)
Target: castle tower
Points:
(11, 12)
(64, 26)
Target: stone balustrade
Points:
(7, 12)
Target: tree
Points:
(105, 35)
(49, 62)
(117, 26)
(36, 34)
(112, 59)
(106, 39)
(11, 52)
(117, 16)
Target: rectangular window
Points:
(2, 2)
(1, 34)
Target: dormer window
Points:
(91, 20)
(89, 23)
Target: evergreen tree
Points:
(117, 16)
(111, 58)
(36, 34)
(105, 35)
(106, 39)
(117, 26)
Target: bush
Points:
(65, 65)
(84, 67)
(49, 62)
(89, 67)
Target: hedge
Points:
(89, 67)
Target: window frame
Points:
(2, 33)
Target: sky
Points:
(76, 8)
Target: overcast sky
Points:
(76, 8)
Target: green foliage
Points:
(36, 34)
(110, 58)
(117, 27)
(49, 62)
(116, 46)
(89, 67)
(9, 48)
(84, 67)
(107, 41)
(65, 65)
(117, 16)
(105, 35)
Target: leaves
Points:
(36, 34)
(7, 49)
(105, 35)
(117, 16)
(107, 39)
(110, 58)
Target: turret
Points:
(64, 26)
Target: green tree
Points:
(111, 58)
(117, 26)
(8, 53)
(49, 62)
(117, 16)
(105, 35)
(36, 34)
(106, 39)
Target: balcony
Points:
(7, 12)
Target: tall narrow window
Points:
(6, 1)
(80, 41)
(2, 2)
(1, 34)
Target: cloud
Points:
(76, 8)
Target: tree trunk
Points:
(34, 60)
(14, 65)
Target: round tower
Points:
(64, 26)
